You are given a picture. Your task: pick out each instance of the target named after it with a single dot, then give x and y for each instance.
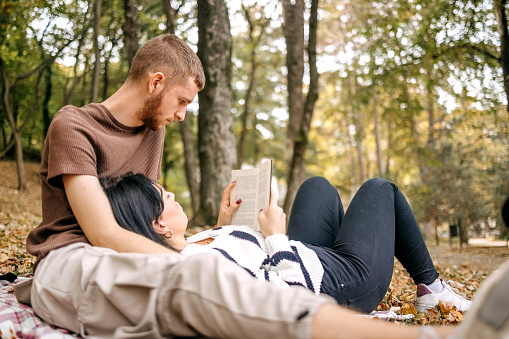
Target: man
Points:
(97, 279)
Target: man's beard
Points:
(150, 113)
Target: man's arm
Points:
(92, 209)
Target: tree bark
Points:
(130, 28)
(97, 52)
(293, 30)
(297, 170)
(215, 122)
(500, 13)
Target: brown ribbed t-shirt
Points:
(88, 141)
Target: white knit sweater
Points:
(276, 259)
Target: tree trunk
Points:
(253, 43)
(97, 52)
(351, 157)
(170, 16)
(437, 238)
(190, 164)
(431, 111)
(18, 147)
(379, 160)
(45, 103)
(460, 233)
(408, 111)
(76, 78)
(500, 13)
(389, 148)
(111, 33)
(293, 29)
(186, 132)
(130, 28)
(297, 170)
(359, 130)
(106, 76)
(215, 122)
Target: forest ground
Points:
(21, 211)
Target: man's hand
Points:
(225, 208)
(92, 209)
(272, 221)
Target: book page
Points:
(253, 187)
(264, 180)
(247, 190)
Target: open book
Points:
(253, 187)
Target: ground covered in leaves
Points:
(20, 212)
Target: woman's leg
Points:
(317, 213)
(358, 263)
(378, 225)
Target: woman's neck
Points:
(178, 242)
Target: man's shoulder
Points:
(70, 112)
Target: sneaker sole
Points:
(422, 308)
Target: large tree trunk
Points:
(293, 29)
(215, 123)
(97, 52)
(130, 28)
(297, 170)
(500, 8)
(186, 132)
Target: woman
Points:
(347, 256)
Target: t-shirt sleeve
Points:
(70, 146)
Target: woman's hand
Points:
(272, 221)
(225, 209)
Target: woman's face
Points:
(173, 214)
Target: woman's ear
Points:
(159, 227)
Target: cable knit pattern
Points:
(276, 259)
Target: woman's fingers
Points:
(225, 200)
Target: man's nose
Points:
(181, 115)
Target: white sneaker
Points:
(427, 299)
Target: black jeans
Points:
(357, 249)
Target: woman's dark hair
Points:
(136, 202)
